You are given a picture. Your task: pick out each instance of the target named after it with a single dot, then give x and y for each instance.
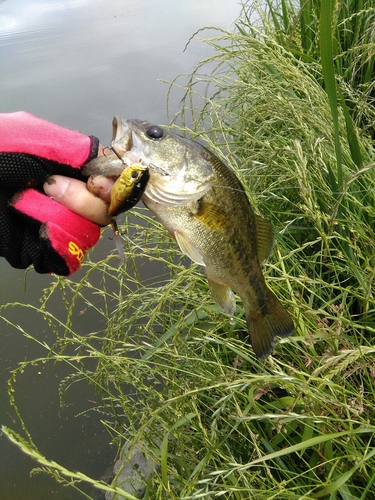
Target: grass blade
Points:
(326, 52)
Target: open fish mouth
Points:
(123, 152)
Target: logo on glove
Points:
(76, 251)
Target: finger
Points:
(101, 186)
(74, 195)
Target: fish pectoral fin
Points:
(265, 238)
(188, 249)
(211, 216)
(223, 296)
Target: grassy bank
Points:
(288, 100)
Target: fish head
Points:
(179, 169)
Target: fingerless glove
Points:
(35, 229)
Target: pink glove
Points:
(36, 229)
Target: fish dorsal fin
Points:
(212, 216)
(189, 249)
(223, 296)
(265, 238)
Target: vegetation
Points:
(288, 99)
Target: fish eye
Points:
(155, 132)
(135, 175)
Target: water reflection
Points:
(77, 63)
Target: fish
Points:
(205, 208)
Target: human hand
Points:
(52, 229)
(75, 196)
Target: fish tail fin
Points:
(267, 324)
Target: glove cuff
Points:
(45, 140)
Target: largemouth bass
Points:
(204, 207)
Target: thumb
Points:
(74, 195)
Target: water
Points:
(77, 63)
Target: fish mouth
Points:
(127, 144)
(122, 140)
(121, 134)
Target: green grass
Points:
(287, 99)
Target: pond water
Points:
(77, 63)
